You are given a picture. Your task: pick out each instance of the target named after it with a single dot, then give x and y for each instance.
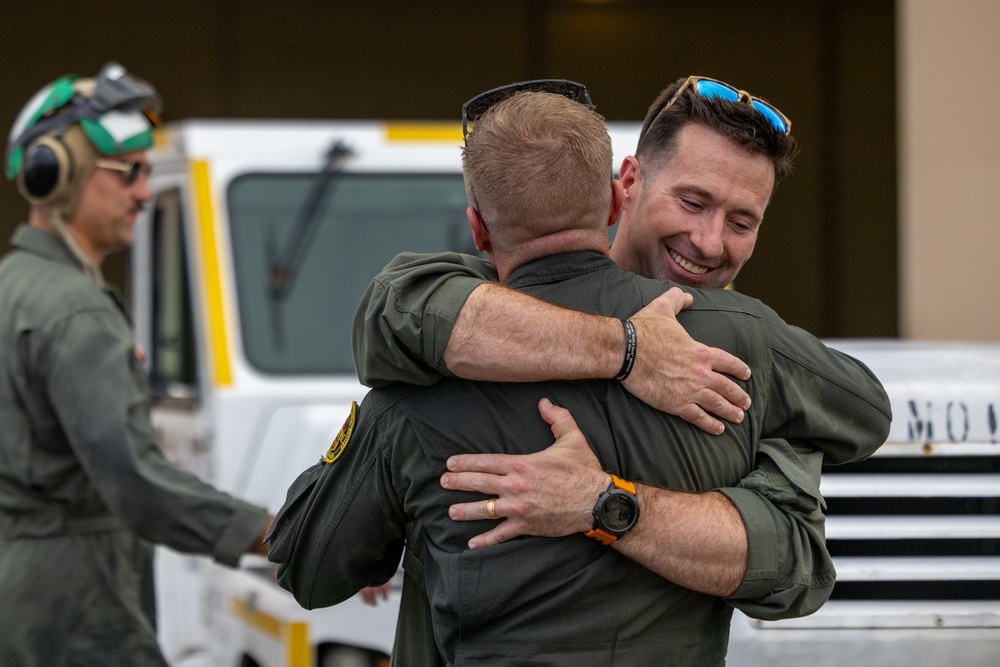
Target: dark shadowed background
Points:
(827, 255)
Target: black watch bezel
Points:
(606, 505)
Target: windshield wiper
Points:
(285, 265)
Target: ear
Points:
(617, 199)
(630, 177)
(480, 235)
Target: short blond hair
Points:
(536, 164)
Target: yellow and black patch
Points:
(343, 437)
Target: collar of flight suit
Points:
(558, 267)
(51, 247)
(41, 243)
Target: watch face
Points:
(618, 512)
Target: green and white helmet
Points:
(67, 124)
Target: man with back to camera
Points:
(537, 173)
(84, 488)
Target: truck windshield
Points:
(361, 223)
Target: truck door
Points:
(165, 329)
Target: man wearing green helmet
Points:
(84, 488)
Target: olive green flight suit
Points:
(84, 488)
(572, 601)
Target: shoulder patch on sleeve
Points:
(343, 437)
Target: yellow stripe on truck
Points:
(294, 634)
(449, 132)
(299, 652)
(215, 316)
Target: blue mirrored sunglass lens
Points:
(772, 116)
(712, 89)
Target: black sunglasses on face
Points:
(474, 109)
(131, 171)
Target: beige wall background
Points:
(949, 168)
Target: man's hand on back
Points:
(498, 337)
(677, 374)
(550, 493)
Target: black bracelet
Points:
(630, 345)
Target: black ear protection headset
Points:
(54, 149)
(48, 169)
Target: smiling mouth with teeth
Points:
(686, 265)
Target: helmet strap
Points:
(90, 269)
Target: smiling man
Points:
(708, 160)
(692, 219)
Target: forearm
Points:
(695, 540)
(166, 505)
(113, 442)
(504, 335)
(761, 543)
(427, 316)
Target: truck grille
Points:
(916, 522)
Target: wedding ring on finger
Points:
(491, 509)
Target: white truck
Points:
(244, 279)
(914, 530)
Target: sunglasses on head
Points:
(715, 89)
(474, 109)
(130, 171)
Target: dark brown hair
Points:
(738, 122)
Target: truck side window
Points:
(173, 359)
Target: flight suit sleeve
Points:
(100, 395)
(406, 316)
(342, 526)
(820, 406)
(822, 396)
(789, 569)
